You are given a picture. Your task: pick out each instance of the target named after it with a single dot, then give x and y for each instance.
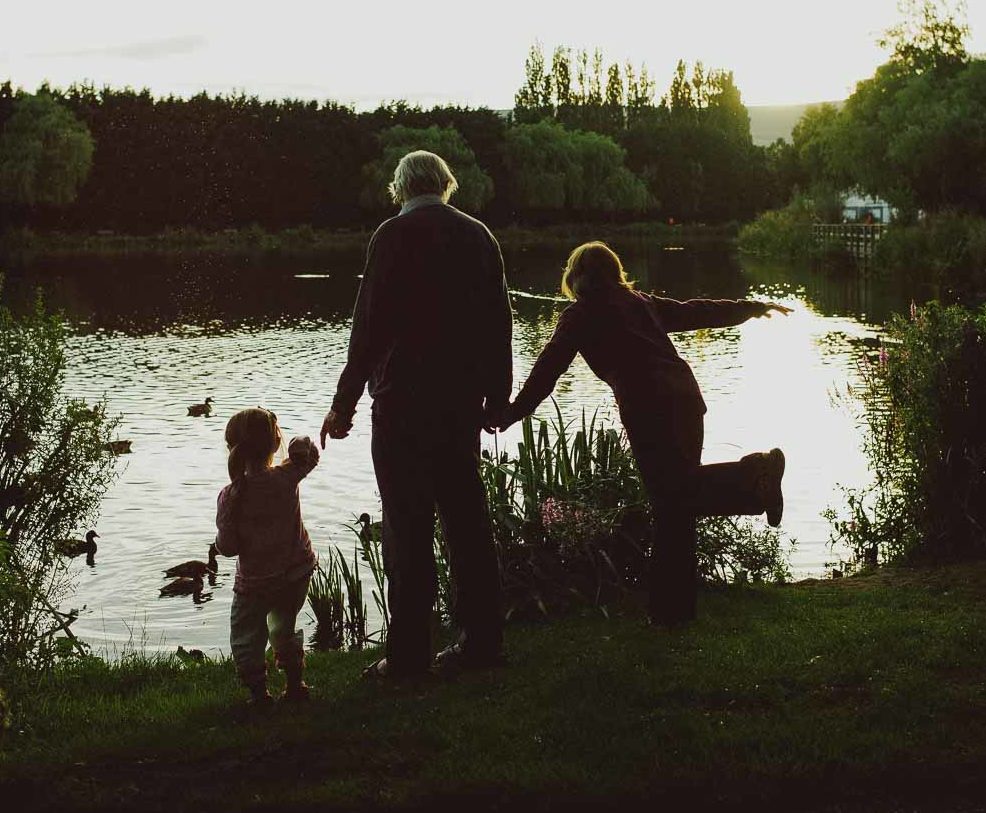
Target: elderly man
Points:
(431, 334)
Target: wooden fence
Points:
(859, 239)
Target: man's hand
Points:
(335, 427)
(773, 306)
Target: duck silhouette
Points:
(118, 446)
(203, 410)
(76, 547)
(196, 567)
(184, 586)
(370, 531)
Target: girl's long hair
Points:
(252, 437)
(592, 268)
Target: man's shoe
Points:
(768, 486)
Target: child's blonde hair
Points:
(252, 437)
(591, 268)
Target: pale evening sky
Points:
(437, 51)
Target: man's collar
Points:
(421, 200)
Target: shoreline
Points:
(26, 244)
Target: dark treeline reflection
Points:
(156, 294)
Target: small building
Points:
(857, 208)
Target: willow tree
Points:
(45, 153)
(475, 186)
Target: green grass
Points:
(860, 694)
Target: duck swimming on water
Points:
(76, 547)
(203, 410)
(196, 567)
(184, 586)
(118, 446)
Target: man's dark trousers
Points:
(428, 459)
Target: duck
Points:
(201, 410)
(184, 586)
(196, 567)
(76, 547)
(370, 531)
(118, 446)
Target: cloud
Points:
(145, 50)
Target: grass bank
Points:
(305, 239)
(859, 694)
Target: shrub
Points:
(924, 402)
(950, 246)
(572, 522)
(54, 470)
(780, 232)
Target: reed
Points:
(327, 600)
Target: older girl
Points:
(623, 336)
(259, 520)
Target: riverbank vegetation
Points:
(54, 470)
(25, 243)
(922, 402)
(861, 694)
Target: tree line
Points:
(585, 141)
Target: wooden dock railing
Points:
(859, 239)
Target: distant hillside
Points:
(770, 122)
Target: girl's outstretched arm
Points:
(554, 360)
(697, 314)
(302, 457)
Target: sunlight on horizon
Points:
(782, 53)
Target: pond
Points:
(155, 334)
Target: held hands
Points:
(498, 419)
(772, 306)
(335, 426)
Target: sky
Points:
(438, 51)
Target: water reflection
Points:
(154, 335)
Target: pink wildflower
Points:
(914, 311)
(884, 356)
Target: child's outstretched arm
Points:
(697, 314)
(302, 457)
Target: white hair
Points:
(422, 173)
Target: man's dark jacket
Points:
(432, 323)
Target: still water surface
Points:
(154, 335)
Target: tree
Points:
(615, 102)
(534, 100)
(915, 132)
(45, 153)
(556, 170)
(54, 471)
(475, 186)
(930, 36)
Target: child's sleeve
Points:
(302, 457)
(227, 538)
(698, 314)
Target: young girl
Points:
(623, 336)
(259, 520)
